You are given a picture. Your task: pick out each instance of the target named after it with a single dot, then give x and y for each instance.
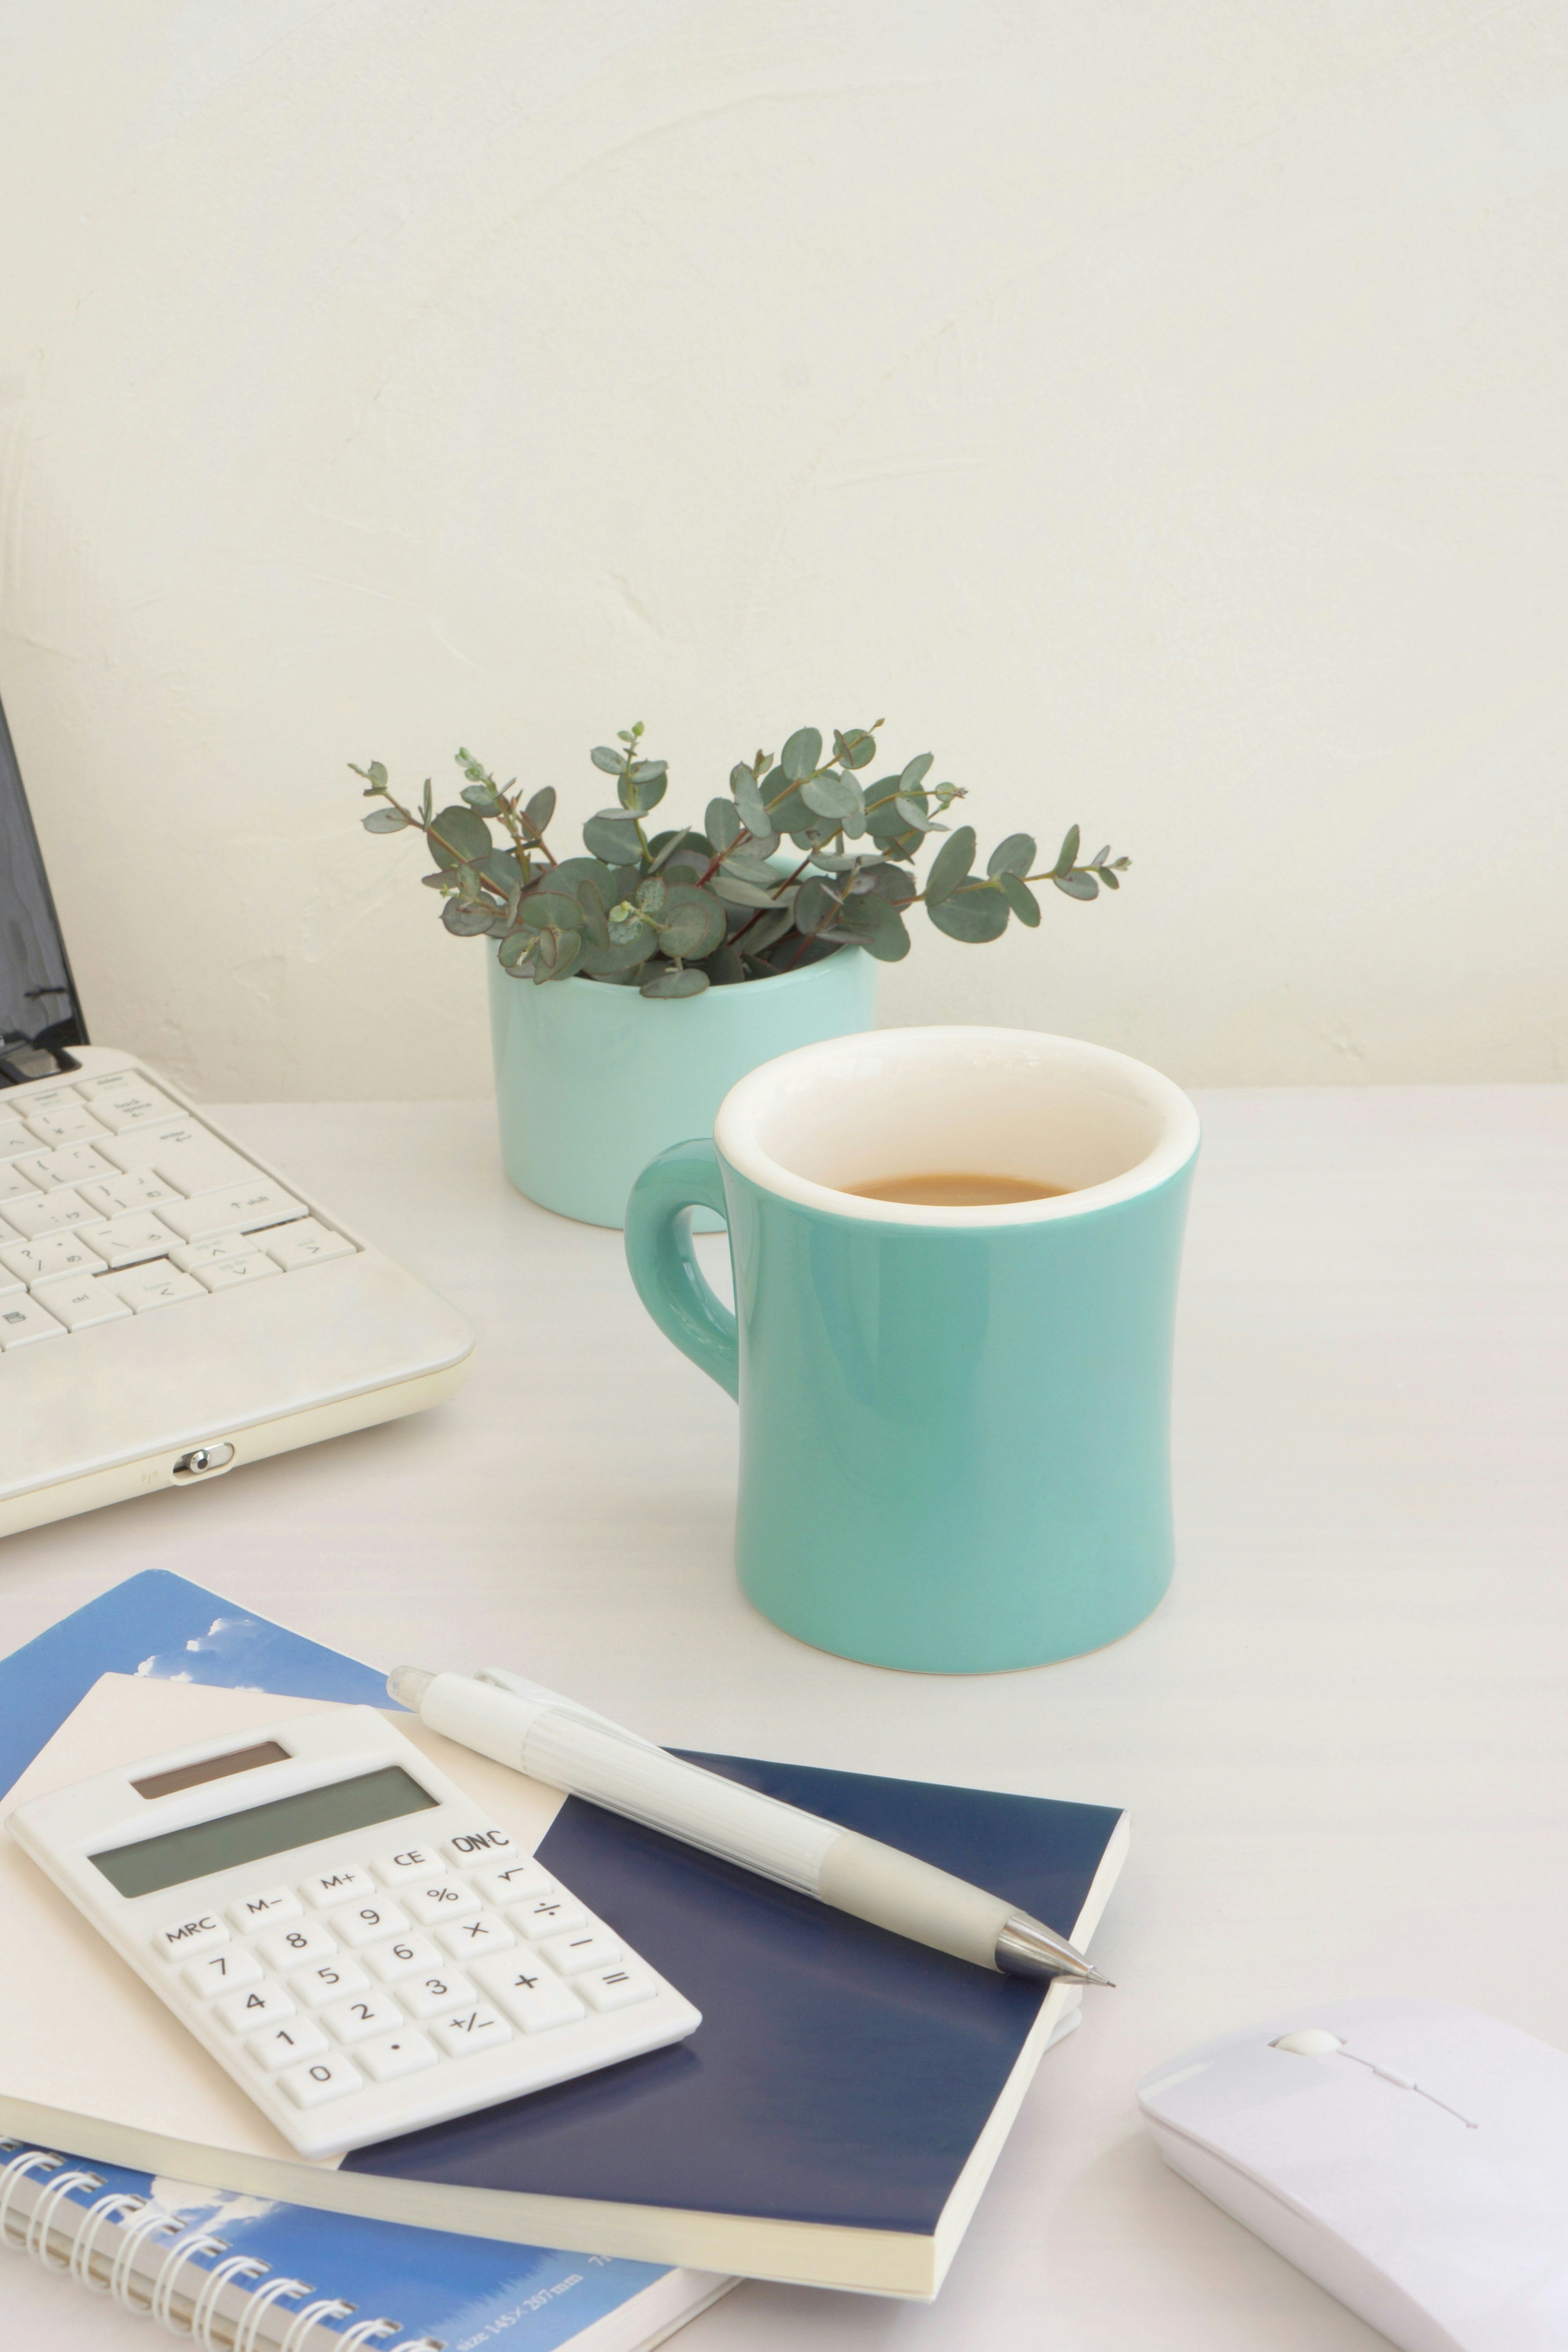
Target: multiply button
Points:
(184, 1938)
(471, 1847)
(409, 1862)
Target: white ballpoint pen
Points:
(551, 1738)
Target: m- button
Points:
(182, 1938)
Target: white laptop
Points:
(171, 1307)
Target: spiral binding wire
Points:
(139, 2218)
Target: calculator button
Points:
(367, 1923)
(331, 1887)
(469, 1848)
(470, 1937)
(615, 1988)
(333, 1980)
(357, 2020)
(441, 1899)
(264, 2004)
(574, 1954)
(479, 2028)
(551, 1914)
(223, 1972)
(433, 1995)
(253, 1912)
(533, 1996)
(396, 2054)
(282, 2046)
(181, 1939)
(410, 1862)
(328, 2078)
(291, 1947)
(512, 1883)
(402, 1957)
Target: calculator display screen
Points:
(179, 1854)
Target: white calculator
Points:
(344, 1931)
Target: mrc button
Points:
(182, 1938)
(472, 1846)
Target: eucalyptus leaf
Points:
(911, 813)
(1077, 886)
(377, 775)
(467, 918)
(675, 981)
(976, 913)
(855, 749)
(611, 762)
(611, 882)
(816, 905)
(1021, 898)
(557, 955)
(611, 838)
(503, 866)
(641, 793)
(540, 808)
(912, 777)
(651, 895)
(1107, 875)
(744, 868)
(426, 804)
(457, 829)
(1013, 856)
(724, 967)
(890, 883)
(876, 926)
(749, 801)
(1068, 856)
(516, 950)
(692, 923)
(543, 908)
(948, 868)
(481, 797)
(745, 893)
(800, 754)
(386, 820)
(835, 795)
(760, 935)
(723, 823)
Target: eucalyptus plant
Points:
(678, 912)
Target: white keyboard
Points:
(343, 1929)
(116, 1200)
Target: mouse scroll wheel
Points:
(1309, 2042)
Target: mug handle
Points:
(671, 1283)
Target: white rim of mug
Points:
(734, 1132)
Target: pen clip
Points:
(519, 1686)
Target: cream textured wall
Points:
(1155, 407)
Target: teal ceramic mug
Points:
(954, 1421)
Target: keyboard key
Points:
(409, 1862)
(234, 1273)
(242, 1207)
(14, 1185)
(357, 2020)
(125, 1102)
(329, 1888)
(261, 2004)
(158, 1285)
(181, 1939)
(285, 2045)
(63, 1121)
(439, 1901)
(114, 1196)
(328, 2078)
(469, 1848)
(9, 1284)
(307, 1244)
(367, 1923)
(179, 1150)
(131, 1240)
(432, 1995)
(80, 1304)
(23, 1321)
(479, 2028)
(54, 1253)
(574, 1955)
(291, 1947)
(396, 2054)
(551, 1914)
(266, 1910)
(615, 1987)
(71, 1164)
(17, 1142)
(402, 1957)
(51, 1212)
(191, 1256)
(333, 1981)
(516, 1880)
(531, 1995)
(222, 1972)
(471, 1938)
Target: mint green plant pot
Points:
(593, 1082)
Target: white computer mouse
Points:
(1410, 2155)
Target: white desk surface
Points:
(1343, 1736)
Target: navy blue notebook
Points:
(838, 2112)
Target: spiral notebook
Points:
(243, 2274)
